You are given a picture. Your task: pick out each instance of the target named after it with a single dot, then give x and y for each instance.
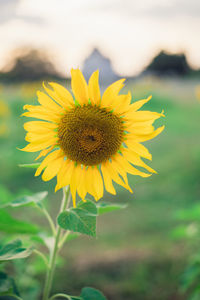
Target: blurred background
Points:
(148, 250)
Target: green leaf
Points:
(88, 207)
(185, 231)
(25, 200)
(7, 285)
(10, 225)
(190, 214)
(81, 219)
(88, 293)
(32, 166)
(108, 207)
(190, 276)
(14, 250)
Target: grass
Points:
(134, 256)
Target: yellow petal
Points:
(113, 173)
(114, 168)
(89, 180)
(107, 180)
(74, 183)
(135, 159)
(97, 182)
(47, 102)
(33, 137)
(43, 116)
(138, 104)
(111, 93)
(62, 95)
(37, 146)
(121, 103)
(141, 116)
(93, 88)
(44, 152)
(138, 148)
(82, 191)
(140, 130)
(79, 87)
(38, 126)
(121, 161)
(41, 109)
(52, 168)
(64, 174)
(143, 138)
(52, 156)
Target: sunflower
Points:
(89, 139)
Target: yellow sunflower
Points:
(89, 139)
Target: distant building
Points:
(97, 61)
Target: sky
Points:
(129, 32)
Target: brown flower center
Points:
(90, 135)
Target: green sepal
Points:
(76, 103)
(81, 219)
(32, 166)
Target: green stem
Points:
(60, 295)
(51, 223)
(64, 296)
(42, 256)
(63, 239)
(50, 271)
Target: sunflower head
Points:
(89, 141)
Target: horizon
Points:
(128, 33)
(22, 51)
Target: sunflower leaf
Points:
(14, 250)
(81, 219)
(107, 207)
(25, 200)
(88, 293)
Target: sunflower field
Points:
(146, 243)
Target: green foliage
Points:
(5, 196)
(109, 207)
(14, 250)
(150, 216)
(81, 219)
(32, 166)
(190, 279)
(189, 214)
(7, 285)
(10, 225)
(88, 293)
(25, 200)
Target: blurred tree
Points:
(29, 65)
(169, 64)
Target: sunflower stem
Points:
(64, 296)
(54, 252)
(63, 239)
(49, 219)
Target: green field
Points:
(135, 255)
